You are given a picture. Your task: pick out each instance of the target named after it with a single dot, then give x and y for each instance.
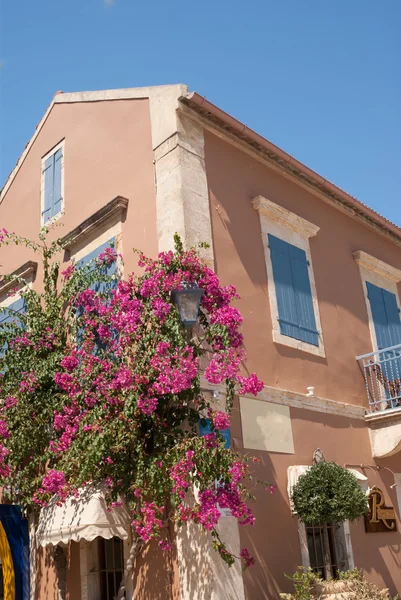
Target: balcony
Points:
(382, 375)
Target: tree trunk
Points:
(326, 551)
(136, 546)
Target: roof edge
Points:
(212, 112)
(139, 93)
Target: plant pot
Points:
(333, 590)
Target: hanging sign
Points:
(380, 518)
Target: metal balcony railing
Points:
(382, 373)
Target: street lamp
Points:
(188, 301)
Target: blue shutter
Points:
(206, 428)
(108, 270)
(10, 314)
(48, 191)
(103, 286)
(57, 197)
(294, 297)
(386, 319)
(385, 315)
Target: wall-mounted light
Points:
(188, 301)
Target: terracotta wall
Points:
(156, 575)
(108, 153)
(234, 178)
(274, 541)
(46, 579)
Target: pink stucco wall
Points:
(234, 179)
(108, 153)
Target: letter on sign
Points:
(380, 518)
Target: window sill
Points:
(55, 218)
(284, 340)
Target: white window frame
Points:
(90, 569)
(295, 230)
(349, 555)
(42, 184)
(375, 271)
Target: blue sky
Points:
(320, 78)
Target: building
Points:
(319, 277)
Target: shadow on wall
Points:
(46, 580)
(156, 575)
(196, 577)
(378, 554)
(383, 550)
(274, 540)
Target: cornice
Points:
(25, 271)
(284, 217)
(115, 208)
(372, 263)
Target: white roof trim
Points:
(161, 97)
(82, 518)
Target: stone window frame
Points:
(42, 184)
(90, 569)
(27, 271)
(379, 273)
(344, 534)
(104, 224)
(295, 230)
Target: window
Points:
(291, 286)
(103, 286)
(326, 548)
(379, 281)
(386, 316)
(383, 366)
(111, 562)
(322, 551)
(52, 183)
(109, 270)
(205, 428)
(102, 567)
(293, 291)
(9, 314)
(387, 324)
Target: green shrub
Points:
(328, 493)
(306, 583)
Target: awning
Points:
(360, 476)
(295, 471)
(82, 518)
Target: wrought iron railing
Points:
(382, 373)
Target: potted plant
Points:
(351, 586)
(328, 493)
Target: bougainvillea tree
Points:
(101, 383)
